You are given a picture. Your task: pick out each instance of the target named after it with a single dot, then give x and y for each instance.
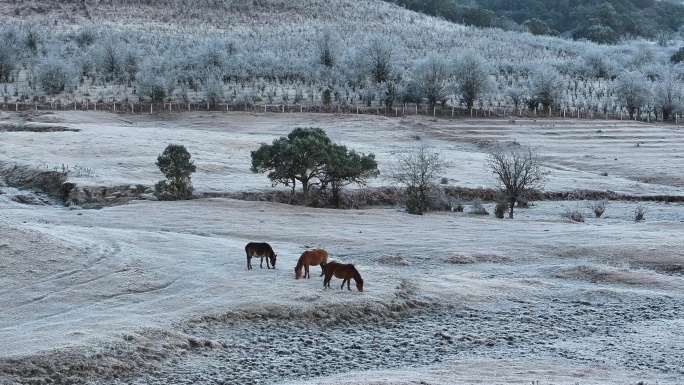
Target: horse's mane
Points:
(300, 262)
(357, 275)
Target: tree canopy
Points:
(600, 21)
(307, 155)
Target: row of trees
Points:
(376, 72)
(308, 157)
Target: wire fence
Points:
(144, 107)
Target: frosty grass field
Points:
(159, 293)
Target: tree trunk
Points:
(511, 204)
(305, 192)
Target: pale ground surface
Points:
(537, 298)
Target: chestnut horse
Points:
(262, 249)
(344, 271)
(308, 258)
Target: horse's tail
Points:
(247, 250)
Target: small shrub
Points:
(639, 213)
(598, 207)
(500, 209)
(54, 75)
(574, 215)
(477, 208)
(327, 97)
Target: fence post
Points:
(151, 108)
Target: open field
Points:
(155, 292)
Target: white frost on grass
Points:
(83, 278)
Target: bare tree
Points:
(416, 171)
(518, 170)
(432, 77)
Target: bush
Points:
(598, 207)
(477, 208)
(176, 165)
(639, 213)
(500, 209)
(574, 215)
(54, 75)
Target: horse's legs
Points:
(306, 271)
(249, 262)
(326, 280)
(322, 269)
(343, 281)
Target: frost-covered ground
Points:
(158, 292)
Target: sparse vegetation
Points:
(574, 215)
(477, 208)
(501, 208)
(598, 207)
(639, 213)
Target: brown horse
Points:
(262, 249)
(308, 258)
(344, 271)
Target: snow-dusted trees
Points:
(327, 47)
(54, 75)
(632, 91)
(472, 78)
(379, 56)
(668, 94)
(432, 76)
(8, 61)
(545, 88)
(154, 80)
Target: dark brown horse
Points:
(344, 271)
(309, 258)
(262, 249)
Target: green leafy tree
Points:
(347, 167)
(176, 165)
(301, 156)
(308, 156)
(538, 27)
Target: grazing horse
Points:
(344, 271)
(308, 258)
(262, 249)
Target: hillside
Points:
(340, 53)
(602, 22)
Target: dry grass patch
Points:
(606, 274)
